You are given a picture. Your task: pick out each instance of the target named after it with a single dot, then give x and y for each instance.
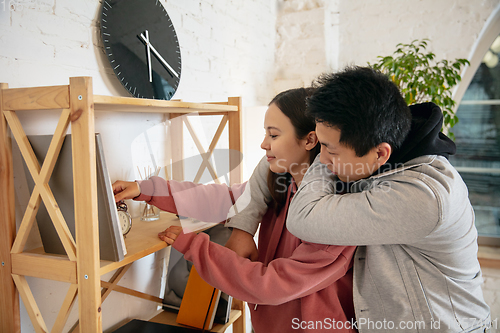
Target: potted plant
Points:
(422, 79)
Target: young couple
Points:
(382, 183)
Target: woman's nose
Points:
(264, 145)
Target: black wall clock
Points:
(142, 47)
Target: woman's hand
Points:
(170, 234)
(243, 244)
(125, 190)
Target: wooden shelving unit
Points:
(81, 266)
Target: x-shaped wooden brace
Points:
(43, 192)
(206, 155)
(41, 178)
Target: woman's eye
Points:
(272, 136)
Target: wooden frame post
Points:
(10, 319)
(85, 189)
(177, 146)
(235, 144)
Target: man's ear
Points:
(384, 151)
(311, 140)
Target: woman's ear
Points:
(311, 140)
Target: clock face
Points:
(125, 222)
(142, 47)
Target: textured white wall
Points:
(373, 28)
(252, 48)
(227, 50)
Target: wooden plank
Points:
(239, 325)
(211, 148)
(24, 144)
(85, 191)
(131, 104)
(131, 292)
(47, 196)
(106, 291)
(169, 318)
(55, 146)
(65, 310)
(44, 266)
(27, 221)
(114, 281)
(58, 221)
(37, 98)
(30, 304)
(45, 173)
(235, 143)
(177, 146)
(142, 240)
(204, 163)
(9, 301)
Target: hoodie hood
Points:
(425, 137)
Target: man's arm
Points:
(251, 206)
(398, 210)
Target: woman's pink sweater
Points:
(295, 286)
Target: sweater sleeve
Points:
(253, 203)
(208, 203)
(311, 268)
(397, 210)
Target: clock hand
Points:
(148, 51)
(158, 56)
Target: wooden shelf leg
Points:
(85, 190)
(235, 143)
(9, 301)
(239, 324)
(177, 137)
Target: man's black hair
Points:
(364, 105)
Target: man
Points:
(383, 182)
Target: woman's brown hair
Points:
(293, 105)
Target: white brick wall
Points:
(372, 28)
(300, 44)
(227, 50)
(251, 48)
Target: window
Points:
(477, 136)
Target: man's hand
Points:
(125, 190)
(243, 244)
(170, 234)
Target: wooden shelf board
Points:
(168, 318)
(131, 104)
(142, 240)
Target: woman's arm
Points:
(208, 203)
(311, 268)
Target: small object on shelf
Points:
(124, 217)
(199, 303)
(149, 212)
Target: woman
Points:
(294, 286)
